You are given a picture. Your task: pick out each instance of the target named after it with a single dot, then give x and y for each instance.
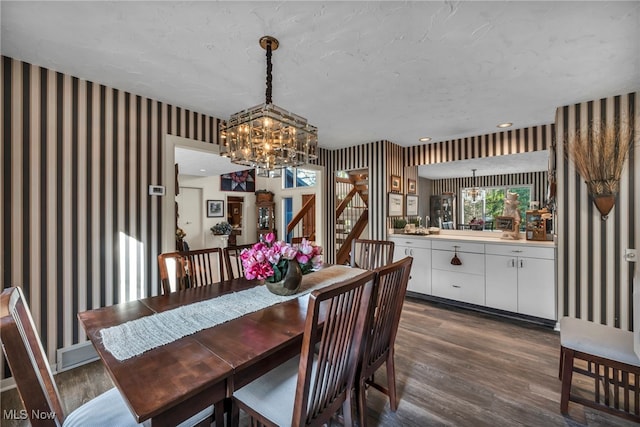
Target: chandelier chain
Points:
(269, 77)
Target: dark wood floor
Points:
(454, 368)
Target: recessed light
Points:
(505, 125)
(203, 170)
(425, 139)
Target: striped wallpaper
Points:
(78, 229)
(594, 280)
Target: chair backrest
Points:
(27, 360)
(323, 385)
(371, 254)
(232, 261)
(390, 292)
(189, 269)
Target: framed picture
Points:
(239, 181)
(412, 205)
(215, 208)
(394, 207)
(505, 223)
(396, 186)
(411, 186)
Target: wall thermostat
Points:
(156, 190)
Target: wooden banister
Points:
(310, 204)
(343, 204)
(343, 253)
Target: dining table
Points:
(171, 382)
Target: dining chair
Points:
(190, 269)
(36, 386)
(371, 254)
(309, 389)
(232, 261)
(379, 342)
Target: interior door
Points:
(190, 216)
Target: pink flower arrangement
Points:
(269, 260)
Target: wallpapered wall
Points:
(595, 281)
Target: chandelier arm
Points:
(269, 69)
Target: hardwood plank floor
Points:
(454, 367)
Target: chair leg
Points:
(361, 395)
(219, 413)
(561, 362)
(347, 413)
(567, 374)
(234, 418)
(391, 382)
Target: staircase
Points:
(352, 212)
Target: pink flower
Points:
(269, 238)
(262, 258)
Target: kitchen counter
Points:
(476, 236)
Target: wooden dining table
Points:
(168, 384)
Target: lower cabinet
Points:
(420, 250)
(463, 281)
(521, 279)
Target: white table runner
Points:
(137, 336)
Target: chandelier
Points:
(474, 194)
(267, 137)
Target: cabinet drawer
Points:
(410, 242)
(458, 286)
(521, 251)
(448, 245)
(471, 263)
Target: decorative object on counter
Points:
(455, 260)
(433, 230)
(266, 136)
(239, 181)
(394, 207)
(510, 210)
(411, 186)
(412, 205)
(215, 208)
(598, 154)
(536, 224)
(476, 223)
(474, 194)
(280, 264)
(222, 229)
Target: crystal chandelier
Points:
(474, 194)
(268, 137)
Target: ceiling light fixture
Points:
(474, 194)
(505, 125)
(266, 136)
(425, 139)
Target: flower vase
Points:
(290, 284)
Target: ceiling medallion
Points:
(266, 136)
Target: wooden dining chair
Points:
(190, 269)
(36, 386)
(371, 254)
(308, 390)
(232, 261)
(391, 287)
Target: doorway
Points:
(190, 210)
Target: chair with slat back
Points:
(378, 346)
(37, 388)
(189, 269)
(371, 254)
(232, 261)
(308, 390)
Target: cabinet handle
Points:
(521, 263)
(456, 286)
(513, 262)
(411, 252)
(517, 252)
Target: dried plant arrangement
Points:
(599, 154)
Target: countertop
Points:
(477, 236)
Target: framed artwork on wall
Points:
(239, 181)
(394, 207)
(411, 186)
(412, 205)
(215, 208)
(396, 185)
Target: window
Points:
(297, 177)
(484, 211)
(287, 209)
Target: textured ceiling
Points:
(360, 71)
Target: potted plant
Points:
(221, 228)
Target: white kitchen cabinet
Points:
(420, 249)
(521, 279)
(463, 282)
